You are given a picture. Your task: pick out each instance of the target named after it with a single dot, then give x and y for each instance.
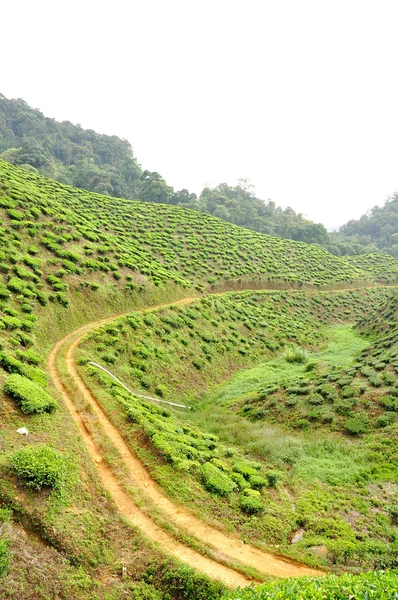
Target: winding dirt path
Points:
(229, 547)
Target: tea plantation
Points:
(285, 354)
(329, 485)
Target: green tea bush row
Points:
(189, 449)
(31, 397)
(215, 480)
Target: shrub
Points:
(303, 424)
(246, 468)
(316, 399)
(29, 356)
(385, 420)
(328, 391)
(161, 390)
(389, 402)
(9, 363)
(11, 322)
(216, 481)
(393, 510)
(109, 358)
(5, 555)
(4, 292)
(344, 407)
(372, 586)
(250, 502)
(31, 397)
(257, 482)
(16, 285)
(389, 378)
(356, 425)
(17, 215)
(145, 591)
(183, 583)
(198, 363)
(146, 382)
(40, 466)
(348, 392)
(295, 354)
(239, 480)
(272, 478)
(375, 380)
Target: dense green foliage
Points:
(67, 152)
(39, 466)
(31, 397)
(5, 556)
(367, 586)
(238, 204)
(194, 346)
(86, 236)
(220, 469)
(355, 398)
(375, 230)
(381, 266)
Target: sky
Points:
(298, 96)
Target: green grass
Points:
(367, 586)
(343, 343)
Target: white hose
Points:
(134, 393)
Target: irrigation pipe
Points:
(94, 364)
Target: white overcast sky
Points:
(299, 96)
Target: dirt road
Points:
(230, 547)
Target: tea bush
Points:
(40, 466)
(31, 397)
(250, 502)
(216, 481)
(379, 585)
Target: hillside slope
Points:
(157, 243)
(69, 257)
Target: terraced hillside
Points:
(68, 258)
(355, 398)
(380, 266)
(262, 484)
(107, 238)
(200, 345)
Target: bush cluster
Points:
(30, 395)
(40, 466)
